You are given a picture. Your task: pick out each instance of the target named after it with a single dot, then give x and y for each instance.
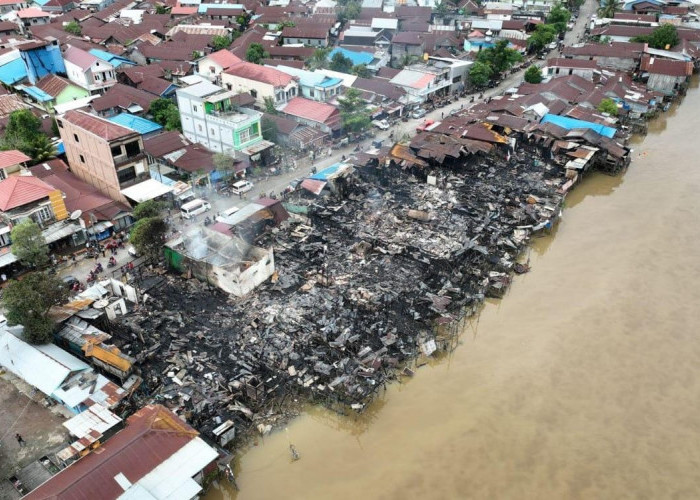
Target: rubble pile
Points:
(360, 285)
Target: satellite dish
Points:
(76, 215)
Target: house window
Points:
(199, 127)
(82, 159)
(254, 93)
(211, 69)
(126, 175)
(116, 151)
(44, 213)
(229, 86)
(60, 123)
(194, 108)
(132, 148)
(75, 136)
(311, 92)
(245, 135)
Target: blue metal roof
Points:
(140, 125)
(324, 174)
(13, 72)
(42, 2)
(38, 94)
(112, 59)
(572, 123)
(355, 57)
(41, 61)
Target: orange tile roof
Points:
(258, 73)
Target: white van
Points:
(241, 187)
(223, 216)
(194, 208)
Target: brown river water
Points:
(583, 382)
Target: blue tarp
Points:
(41, 61)
(161, 178)
(571, 123)
(355, 57)
(38, 94)
(60, 148)
(140, 125)
(13, 72)
(324, 174)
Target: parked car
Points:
(381, 124)
(241, 187)
(194, 208)
(419, 113)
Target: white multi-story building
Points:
(210, 117)
(88, 71)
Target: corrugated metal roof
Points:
(146, 190)
(12, 157)
(45, 367)
(95, 418)
(13, 72)
(18, 190)
(140, 125)
(37, 94)
(571, 123)
(152, 436)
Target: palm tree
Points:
(609, 7)
(42, 149)
(319, 59)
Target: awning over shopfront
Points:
(60, 230)
(147, 190)
(257, 148)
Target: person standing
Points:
(20, 440)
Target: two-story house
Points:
(212, 65)
(101, 153)
(313, 84)
(11, 162)
(211, 117)
(316, 36)
(261, 82)
(25, 197)
(88, 71)
(10, 5)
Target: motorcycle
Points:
(112, 262)
(99, 268)
(207, 221)
(91, 278)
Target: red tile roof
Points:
(310, 110)
(152, 435)
(19, 190)
(258, 73)
(183, 11)
(97, 126)
(12, 157)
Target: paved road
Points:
(277, 183)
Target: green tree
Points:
(608, 106)
(351, 10)
(73, 28)
(353, 111)
(270, 105)
(148, 236)
(499, 57)
(29, 245)
(149, 208)
(162, 9)
(479, 73)
(23, 128)
(269, 129)
(340, 63)
(559, 17)
(255, 53)
(195, 55)
(223, 163)
(608, 8)
(165, 112)
(407, 60)
(544, 34)
(361, 71)
(663, 37)
(220, 42)
(27, 303)
(319, 59)
(42, 149)
(533, 74)
(444, 7)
